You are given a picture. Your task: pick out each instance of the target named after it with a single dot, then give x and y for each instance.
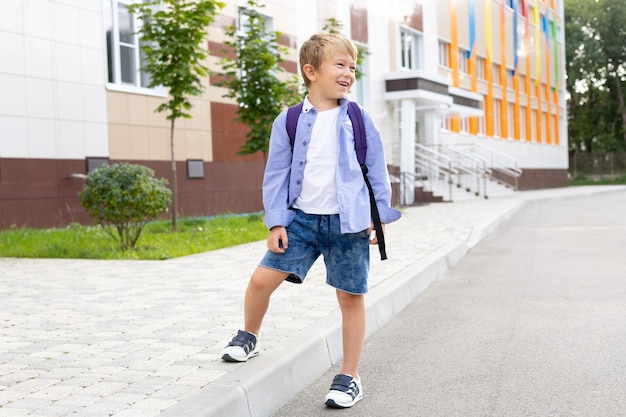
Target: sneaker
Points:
(345, 391)
(243, 347)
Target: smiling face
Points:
(334, 78)
(328, 64)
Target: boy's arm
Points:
(377, 171)
(276, 176)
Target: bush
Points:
(122, 198)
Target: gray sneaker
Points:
(243, 347)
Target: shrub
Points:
(122, 198)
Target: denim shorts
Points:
(346, 255)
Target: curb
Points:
(268, 382)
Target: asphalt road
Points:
(531, 322)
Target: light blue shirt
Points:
(284, 172)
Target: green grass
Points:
(157, 241)
(583, 180)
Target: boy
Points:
(316, 202)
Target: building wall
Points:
(52, 107)
(60, 105)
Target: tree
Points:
(122, 198)
(254, 77)
(595, 47)
(173, 33)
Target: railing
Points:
(468, 166)
(500, 166)
(597, 165)
(473, 166)
(431, 165)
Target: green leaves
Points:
(595, 48)
(255, 78)
(173, 38)
(122, 198)
(172, 41)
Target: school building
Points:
(469, 96)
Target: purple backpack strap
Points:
(293, 113)
(360, 141)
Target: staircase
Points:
(447, 173)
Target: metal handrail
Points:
(473, 166)
(497, 161)
(435, 163)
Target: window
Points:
(243, 22)
(444, 122)
(481, 125)
(496, 73)
(480, 67)
(522, 123)
(511, 120)
(410, 46)
(123, 45)
(509, 78)
(463, 61)
(360, 87)
(249, 21)
(464, 124)
(496, 117)
(444, 54)
(533, 122)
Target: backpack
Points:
(360, 147)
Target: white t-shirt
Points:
(319, 185)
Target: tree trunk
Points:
(622, 107)
(174, 179)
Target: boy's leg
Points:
(345, 391)
(353, 330)
(245, 344)
(260, 288)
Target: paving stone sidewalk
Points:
(135, 338)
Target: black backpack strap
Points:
(360, 144)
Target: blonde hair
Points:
(319, 47)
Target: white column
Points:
(407, 151)
(431, 39)
(429, 129)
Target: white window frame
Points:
(114, 57)
(496, 118)
(410, 49)
(533, 123)
(241, 16)
(511, 119)
(481, 126)
(444, 122)
(444, 54)
(480, 68)
(464, 125)
(360, 90)
(463, 61)
(522, 123)
(495, 73)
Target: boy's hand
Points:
(372, 234)
(277, 241)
